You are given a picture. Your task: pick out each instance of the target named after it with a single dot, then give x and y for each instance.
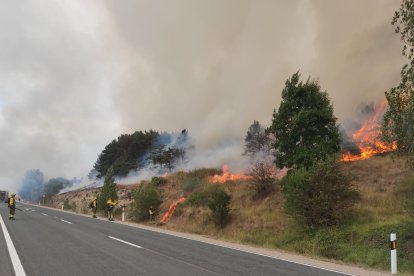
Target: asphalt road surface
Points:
(50, 242)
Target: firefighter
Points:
(110, 204)
(12, 205)
(94, 206)
(151, 213)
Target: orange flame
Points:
(226, 176)
(171, 209)
(367, 138)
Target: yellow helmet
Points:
(12, 194)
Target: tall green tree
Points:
(126, 153)
(304, 126)
(55, 185)
(108, 189)
(398, 123)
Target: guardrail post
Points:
(393, 239)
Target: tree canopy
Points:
(398, 123)
(258, 140)
(140, 149)
(304, 125)
(55, 185)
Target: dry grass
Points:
(381, 181)
(378, 180)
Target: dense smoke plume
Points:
(75, 75)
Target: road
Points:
(51, 242)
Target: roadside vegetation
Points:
(323, 208)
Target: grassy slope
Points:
(362, 239)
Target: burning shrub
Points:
(319, 196)
(145, 196)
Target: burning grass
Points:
(366, 141)
(363, 237)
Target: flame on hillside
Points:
(171, 209)
(227, 176)
(367, 137)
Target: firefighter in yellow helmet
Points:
(11, 202)
(110, 204)
(94, 206)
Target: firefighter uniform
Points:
(12, 205)
(110, 207)
(94, 207)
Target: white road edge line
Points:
(45, 214)
(131, 244)
(66, 221)
(17, 265)
(252, 252)
(282, 259)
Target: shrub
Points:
(190, 183)
(319, 196)
(145, 196)
(158, 181)
(216, 199)
(219, 205)
(263, 181)
(66, 204)
(198, 199)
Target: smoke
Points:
(229, 153)
(32, 185)
(73, 76)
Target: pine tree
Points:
(108, 189)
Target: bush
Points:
(66, 204)
(219, 205)
(319, 196)
(145, 196)
(216, 199)
(158, 181)
(263, 181)
(203, 173)
(198, 199)
(190, 183)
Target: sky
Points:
(74, 75)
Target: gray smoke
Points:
(74, 75)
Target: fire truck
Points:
(3, 196)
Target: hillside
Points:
(384, 184)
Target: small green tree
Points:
(320, 195)
(398, 123)
(304, 126)
(108, 190)
(145, 196)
